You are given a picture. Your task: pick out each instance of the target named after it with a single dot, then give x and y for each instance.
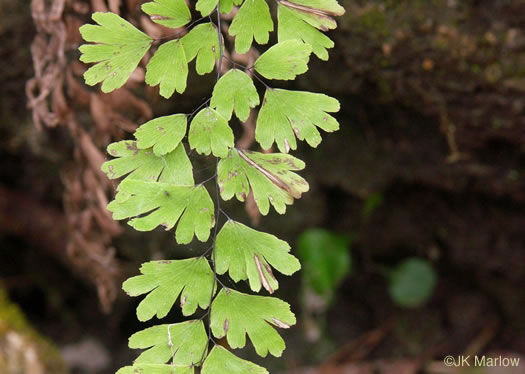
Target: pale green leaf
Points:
(315, 17)
(205, 7)
(221, 360)
(329, 7)
(234, 314)
(202, 42)
(210, 133)
(164, 134)
(169, 13)
(119, 49)
(155, 369)
(165, 280)
(286, 115)
(226, 6)
(154, 204)
(252, 21)
(182, 343)
(296, 24)
(247, 254)
(234, 91)
(268, 175)
(142, 164)
(285, 60)
(169, 68)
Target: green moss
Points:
(12, 320)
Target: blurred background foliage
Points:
(411, 236)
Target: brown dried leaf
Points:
(124, 101)
(73, 36)
(99, 6)
(59, 104)
(100, 111)
(76, 91)
(93, 155)
(134, 5)
(114, 6)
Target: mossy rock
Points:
(22, 349)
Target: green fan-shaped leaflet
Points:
(252, 21)
(155, 369)
(234, 314)
(164, 134)
(234, 91)
(286, 115)
(269, 176)
(210, 133)
(119, 49)
(285, 60)
(205, 7)
(166, 203)
(247, 254)
(183, 343)
(202, 42)
(165, 280)
(226, 6)
(221, 360)
(169, 68)
(315, 17)
(329, 7)
(169, 13)
(300, 25)
(141, 164)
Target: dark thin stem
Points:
(218, 210)
(224, 213)
(209, 179)
(199, 107)
(221, 52)
(236, 63)
(177, 34)
(260, 79)
(246, 68)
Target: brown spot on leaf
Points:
(226, 325)
(262, 276)
(132, 146)
(280, 323)
(269, 270)
(159, 18)
(111, 172)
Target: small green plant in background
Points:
(327, 261)
(159, 189)
(411, 282)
